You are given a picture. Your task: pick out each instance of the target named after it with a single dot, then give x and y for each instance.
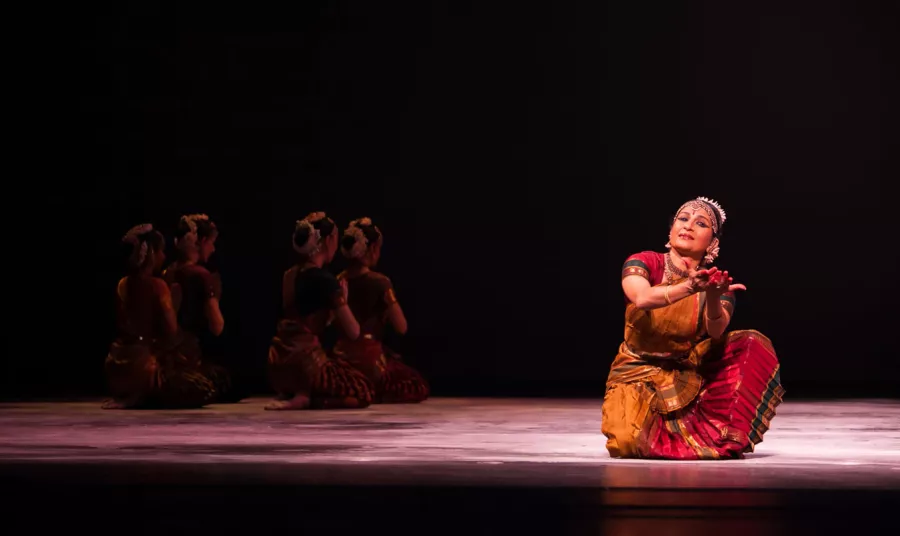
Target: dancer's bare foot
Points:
(298, 402)
(118, 404)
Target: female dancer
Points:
(681, 387)
(374, 304)
(144, 367)
(196, 295)
(300, 371)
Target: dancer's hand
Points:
(720, 283)
(699, 280)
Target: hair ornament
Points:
(190, 238)
(361, 243)
(133, 237)
(311, 247)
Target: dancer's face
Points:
(159, 259)
(206, 247)
(331, 245)
(374, 253)
(691, 232)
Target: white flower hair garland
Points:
(133, 237)
(190, 238)
(361, 243)
(311, 247)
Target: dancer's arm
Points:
(393, 311)
(397, 319)
(643, 296)
(203, 279)
(170, 320)
(718, 302)
(343, 316)
(716, 318)
(214, 316)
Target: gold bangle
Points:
(668, 300)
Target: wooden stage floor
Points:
(500, 462)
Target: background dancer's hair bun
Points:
(142, 239)
(193, 227)
(309, 231)
(358, 237)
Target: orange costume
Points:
(674, 393)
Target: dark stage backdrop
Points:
(513, 157)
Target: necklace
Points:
(672, 270)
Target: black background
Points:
(514, 156)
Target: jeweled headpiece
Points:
(712, 208)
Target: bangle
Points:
(692, 287)
(668, 300)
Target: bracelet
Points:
(692, 287)
(668, 300)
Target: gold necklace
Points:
(672, 270)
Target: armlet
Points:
(390, 298)
(635, 267)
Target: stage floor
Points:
(534, 444)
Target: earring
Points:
(712, 252)
(668, 245)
